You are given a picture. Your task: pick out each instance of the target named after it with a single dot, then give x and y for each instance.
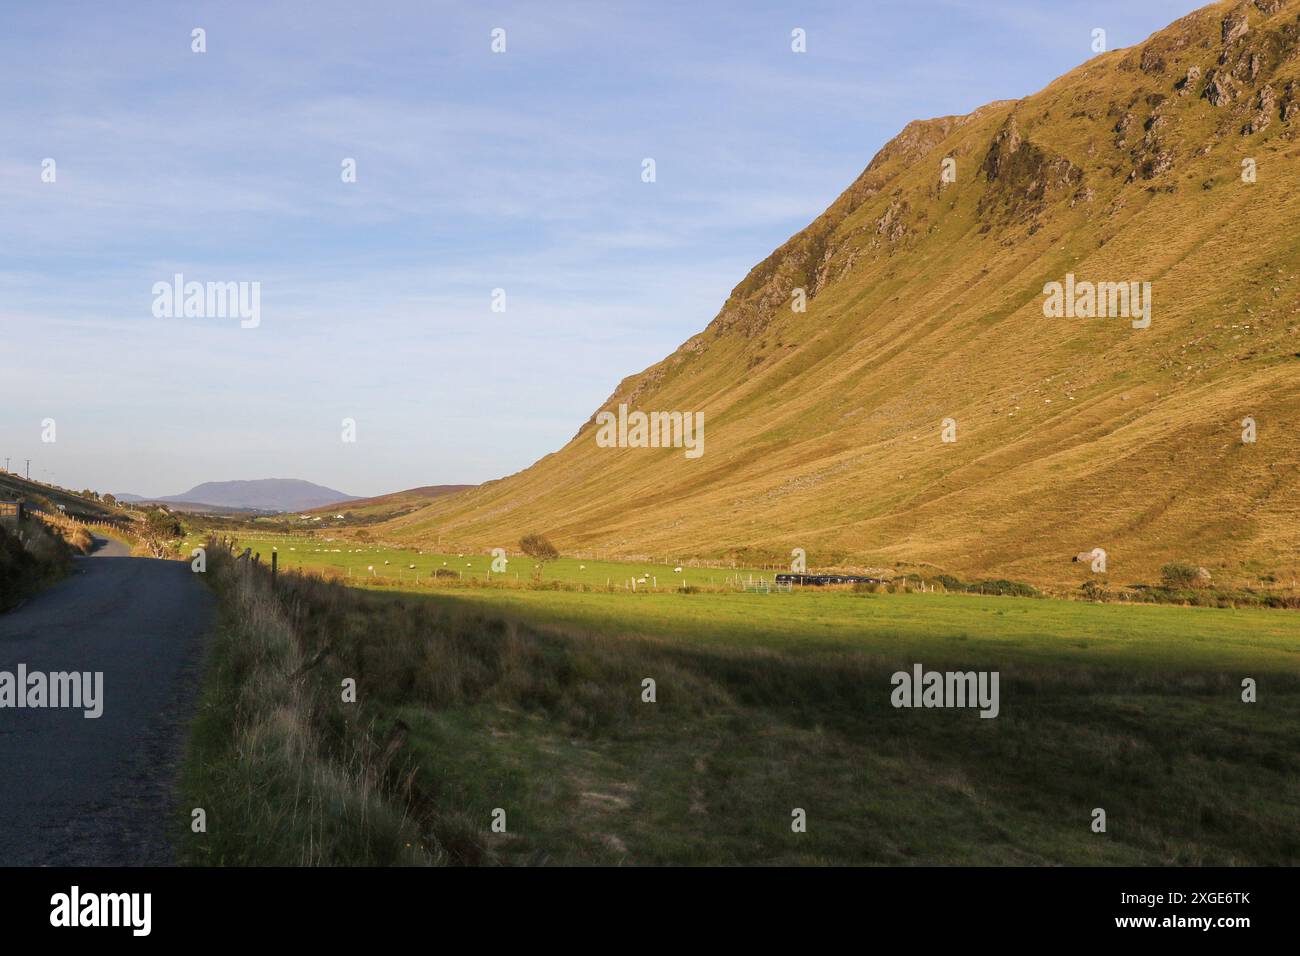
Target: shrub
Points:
(1177, 575)
(536, 546)
(1004, 588)
(1093, 590)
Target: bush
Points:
(1004, 588)
(1094, 591)
(536, 546)
(158, 530)
(1178, 576)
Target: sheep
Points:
(678, 569)
(1096, 558)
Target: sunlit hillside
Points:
(925, 302)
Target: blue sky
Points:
(475, 171)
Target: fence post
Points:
(274, 566)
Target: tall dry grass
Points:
(285, 774)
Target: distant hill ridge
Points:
(260, 494)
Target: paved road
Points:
(98, 792)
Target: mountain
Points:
(1174, 162)
(263, 494)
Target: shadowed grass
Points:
(464, 710)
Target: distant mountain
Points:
(262, 494)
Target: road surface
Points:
(98, 792)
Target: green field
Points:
(356, 559)
(958, 628)
(529, 699)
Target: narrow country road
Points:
(98, 792)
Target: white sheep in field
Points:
(582, 567)
(411, 567)
(678, 569)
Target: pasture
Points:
(355, 559)
(474, 698)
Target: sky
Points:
(475, 171)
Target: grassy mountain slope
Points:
(390, 505)
(925, 302)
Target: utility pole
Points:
(6, 463)
(29, 469)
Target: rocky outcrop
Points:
(1291, 102)
(1005, 145)
(1121, 129)
(1023, 175)
(1265, 103)
(1220, 90)
(1235, 27)
(1188, 82)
